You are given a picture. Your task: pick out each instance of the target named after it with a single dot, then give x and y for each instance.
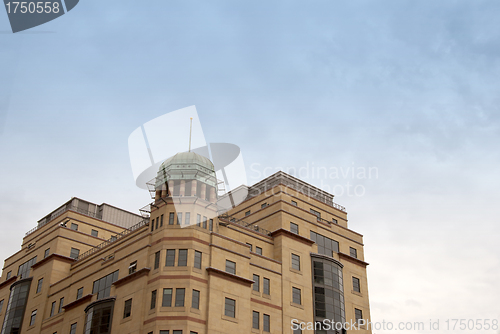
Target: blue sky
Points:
(409, 88)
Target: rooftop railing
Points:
(244, 224)
(114, 238)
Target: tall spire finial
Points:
(190, 130)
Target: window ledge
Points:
(127, 319)
(266, 296)
(357, 293)
(296, 271)
(195, 310)
(296, 305)
(225, 317)
(257, 293)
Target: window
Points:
(102, 287)
(46, 253)
(171, 216)
(61, 304)
(294, 228)
(187, 220)
(231, 267)
(358, 314)
(79, 293)
(197, 259)
(74, 253)
(132, 268)
(167, 298)
(198, 220)
(353, 252)
(294, 203)
(98, 318)
(157, 221)
(258, 250)
(157, 260)
(164, 332)
(127, 309)
(170, 262)
(177, 332)
(255, 320)
(39, 285)
(179, 297)
(211, 224)
(191, 332)
(230, 307)
(267, 323)
(298, 330)
(334, 221)
(267, 286)
(152, 225)
(204, 222)
(296, 296)
(153, 299)
(53, 308)
(9, 274)
(256, 280)
(1, 305)
(73, 329)
(74, 226)
(326, 246)
(179, 218)
(33, 317)
(355, 284)
(316, 213)
(94, 233)
(161, 220)
(263, 205)
(24, 269)
(183, 258)
(248, 213)
(195, 301)
(295, 262)
(250, 245)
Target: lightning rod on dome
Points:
(190, 130)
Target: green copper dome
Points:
(188, 158)
(187, 166)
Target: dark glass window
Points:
(61, 304)
(255, 320)
(46, 253)
(161, 220)
(157, 260)
(102, 287)
(204, 222)
(94, 233)
(98, 318)
(294, 203)
(9, 274)
(211, 224)
(177, 332)
(16, 306)
(294, 228)
(170, 262)
(152, 225)
(355, 284)
(328, 290)
(195, 302)
(326, 246)
(334, 221)
(171, 216)
(263, 205)
(267, 286)
(295, 262)
(153, 299)
(1, 305)
(157, 222)
(53, 309)
(183, 257)
(167, 298)
(179, 297)
(267, 323)
(179, 218)
(197, 259)
(72, 329)
(231, 267)
(251, 247)
(248, 213)
(353, 252)
(74, 226)
(132, 267)
(127, 308)
(258, 250)
(39, 285)
(24, 269)
(358, 314)
(74, 253)
(298, 330)
(187, 220)
(164, 332)
(296, 296)
(256, 280)
(33, 318)
(79, 293)
(230, 307)
(198, 220)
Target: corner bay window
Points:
(102, 287)
(326, 246)
(99, 315)
(183, 254)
